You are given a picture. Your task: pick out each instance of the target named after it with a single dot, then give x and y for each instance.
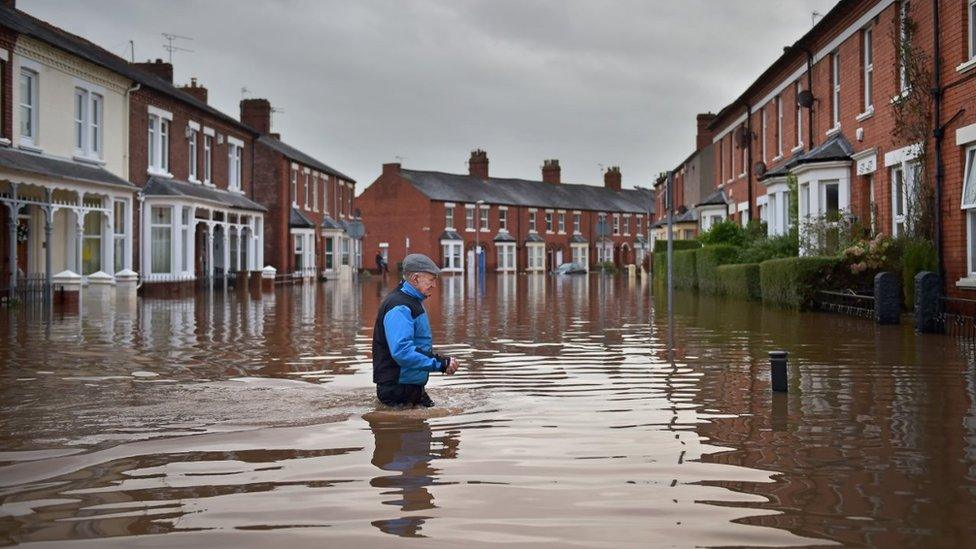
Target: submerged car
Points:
(570, 268)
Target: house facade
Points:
(692, 183)
(67, 204)
(198, 219)
(313, 228)
(504, 225)
(830, 113)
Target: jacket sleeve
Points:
(398, 323)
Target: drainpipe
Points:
(810, 89)
(939, 135)
(748, 166)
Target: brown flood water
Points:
(223, 421)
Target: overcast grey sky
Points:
(363, 82)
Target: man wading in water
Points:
(403, 355)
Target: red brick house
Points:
(693, 187)
(199, 219)
(825, 113)
(312, 229)
(518, 224)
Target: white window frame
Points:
(315, 192)
(449, 216)
(779, 126)
(294, 187)
(536, 255)
(616, 224)
(835, 87)
(158, 142)
(868, 74)
(505, 257)
(28, 107)
(902, 37)
(469, 223)
(745, 156)
(561, 222)
(763, 146)
(549, 224)
(165, 226)
(483, 218)
(502, 219)
(307, 188)
(577, 222)
(235, 163)
(207, 159)
(452, 256)
(120, 231)
(193, 161)
(532, 221)
(971, 16)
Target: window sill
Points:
(796, 149)
(88, 160)
(742, 176)
(833, 131)
(192, 179)
(30, 148)
(865, 115)
(967, 283)
(158, 173)
(777, 158)
(5, 142)
(900, 97)
(209, 184)
(469, 230)
(968, 65)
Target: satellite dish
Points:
(759, 168)
(805, 99)
(356, 229)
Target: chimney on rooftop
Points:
(478, 164)
(551, 171)
(257, 114)
(392, 168)
(158, 68)
(611, 178)
(196, 91)
(704, 135)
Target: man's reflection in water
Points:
(406, 446)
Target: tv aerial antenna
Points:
(168, 46)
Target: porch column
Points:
(108, 238)
(191, 242)
(226, 236)
(79, 239)
(210, 250)
(14, 208)
(48, 230)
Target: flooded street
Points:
(228, 421)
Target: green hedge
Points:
(709, 258)
(685, 268)
(662, 245)
(741, 280)
(792, 281)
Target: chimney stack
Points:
(257, 114)
(551, 171)
(704, 136)
(158, 68)
(196, 91)
(478, 164)
(611, 178)
(392, 168)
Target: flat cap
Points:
(420, 263)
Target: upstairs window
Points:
(308, 190)
(835, 87)
(798, 134)
(532, 221)
(484, 218)
(561, 222)
(548, 222)
(294, 187)
(449, 217)
(576, 223)
(235, 162)
(903, 45)
(88, 123)
(158, 144)
(469, 218)
(868, 76)
(207, 159)
(502, 220)
(616, 224)
(971, 15)
(191, 144)
(315, 192)
(28, 107)
(779, 126)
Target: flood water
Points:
(229, 421)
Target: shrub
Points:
(724, 232)
(686, 269)
(709, 258)
(662, 245)
(792, 281)
(773, 247)
(917, 255)
(740, 280)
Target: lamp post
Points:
(477, 240)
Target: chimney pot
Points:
(612, 178)
(478, 164)
(551, 171)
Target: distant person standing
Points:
(403, 355)
(381, 267)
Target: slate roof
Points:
(504, 237)
(533, 237)
(578, 239)
(450, 235)
(161, 186)
(298, 220)
(717, 198)
(689, 216)
(297, 155)
(835, 148)
(523, 192)
(60, 168)
(28, 25)
(329, 223)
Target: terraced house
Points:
(505, 225)
(834, 112)
(63, 173)
(313, 229)
(199, 220)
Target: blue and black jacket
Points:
(402, 340)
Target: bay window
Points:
(969, 204)
(506, 257)
(91, 247)
(185, 239)
(452, 252)
(536, 255)
(119, 233)
(161, 239)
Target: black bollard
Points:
(777, 370)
